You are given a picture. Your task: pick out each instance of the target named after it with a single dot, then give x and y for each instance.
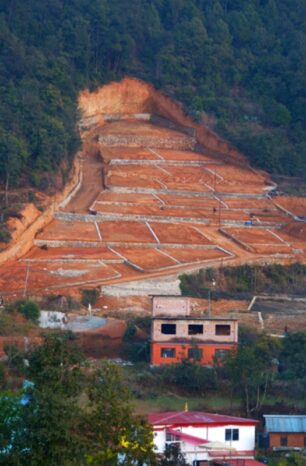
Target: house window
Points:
(221, 354)
(194, 329)
(168, 329)
(223, 329)
(231, 435)
(172, 437)
(284, 441)
(305, 442)
(195, 353)
(167, 352)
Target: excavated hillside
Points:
(157, 195)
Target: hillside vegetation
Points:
(239, 64)
(246, 280)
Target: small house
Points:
(206, 438)
(286, 432)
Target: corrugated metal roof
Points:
(187, 418)
(285, 423)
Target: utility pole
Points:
(209, 298)
(26, 281)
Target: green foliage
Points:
(90, 296)
(15, 358)
(292, 356)
(2, 376)
(173, 456)
(245, 279)
(53, 427)
(136, 348)
(234, 60)
(189, 376)
(110, 427)
(250, 371)
(30, 310)
(10, 413)
(5, 235)
(55, 365)
(294, 459)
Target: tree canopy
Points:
(67, 417)
(242, 62)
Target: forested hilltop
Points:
(242, 62)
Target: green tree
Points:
(113, 435)
(173, 456)
(251, 371)
(50, 426)
(292, 356)
(30, 310)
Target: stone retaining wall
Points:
(178, 143)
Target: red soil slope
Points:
(148, 204)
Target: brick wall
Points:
(293, 439)
(207, 354)
(182, 330)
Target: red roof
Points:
(196, 418)
(187, 437)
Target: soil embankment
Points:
(145, 203)
(134, 97)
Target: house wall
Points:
(171, 306)
(181, 352)
(182, 330)
(246, 440)
(294, 439)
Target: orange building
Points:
(178, 335)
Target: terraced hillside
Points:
(153, 202)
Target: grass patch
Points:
(174, 402)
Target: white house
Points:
(206, 437)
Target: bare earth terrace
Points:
(149, 205)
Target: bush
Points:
(90, 296)
(29, 309)
(2, 376)
(134, 348)
(189, 375)
(5, 235)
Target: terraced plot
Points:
(155, 208)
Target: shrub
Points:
(5, 235)
(90, 296)
(189, 376)
(134, 348)
(29, 309)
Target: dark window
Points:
(172, 437)
(223, 329)
(168, 329)
(167, 352)
(195, 353)
(304, 441)
(284, 441)
(221, 353)
(194, 329)
(231, 435)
